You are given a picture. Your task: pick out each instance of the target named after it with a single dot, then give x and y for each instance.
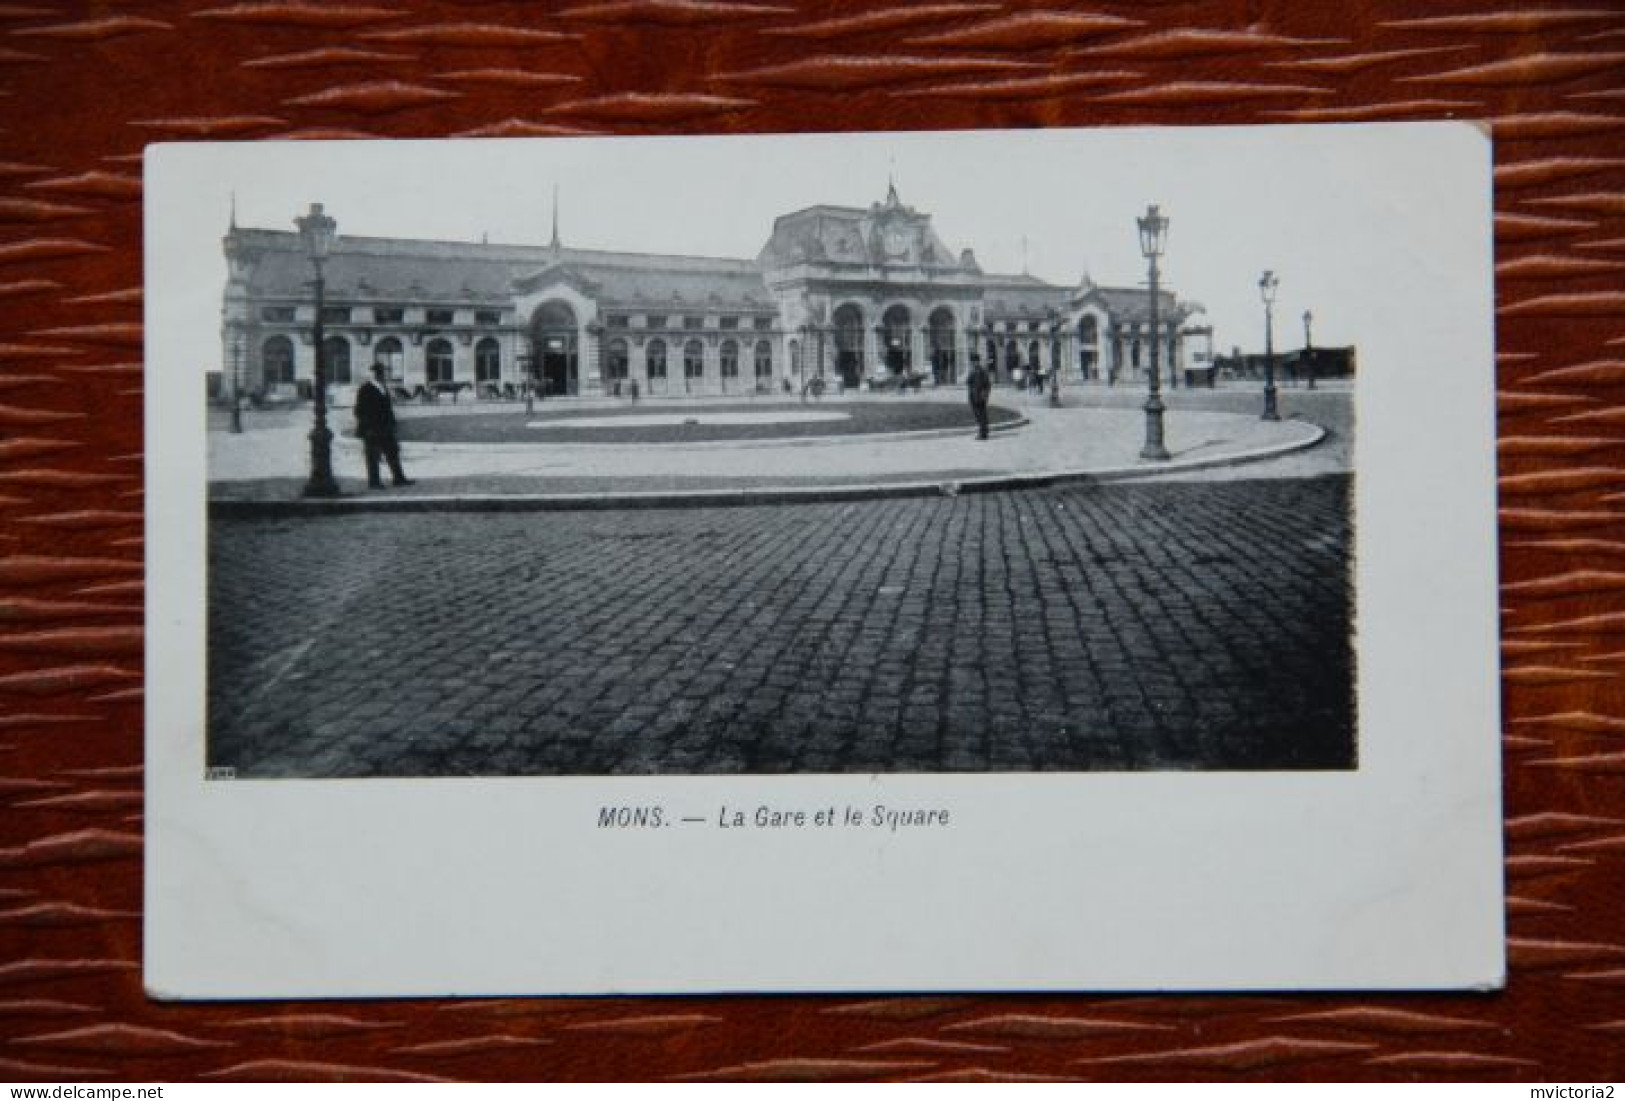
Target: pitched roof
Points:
(1132, 304)
(1019, 296)
(393, 269)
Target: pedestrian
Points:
(979, 386)
(375, 423)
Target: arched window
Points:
(1088, 346)
(693, 360)
(389, 353)
(619, 360)
(1035, 356)
(849, 349)
(730, 359)
(796, 365)
(944, 367)
(657, 359)
(276, 361)
(764, 361)
(897, 350)
(488, 360)
(336, 360)
(440, 362)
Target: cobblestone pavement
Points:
(1135, 626)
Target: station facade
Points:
(850, 295)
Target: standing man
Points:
(375, 422)
(979, 386)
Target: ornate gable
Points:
(559, 272)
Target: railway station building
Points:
(855, 296)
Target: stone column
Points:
(590, 361)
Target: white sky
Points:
(1355, 219)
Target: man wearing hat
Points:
(979, 386)
(375, 423)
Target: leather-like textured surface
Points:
(83, 86)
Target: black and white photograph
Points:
(831, 454)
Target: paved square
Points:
(1133, 626)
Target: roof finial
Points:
(891, 184)
(554, 244)
(234, 210)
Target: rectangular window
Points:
(693, 322)
(276, 313)
(388, 315)
(730, 323)
(655, 321)
(617, 321)
(487, 317)
(764, 322)
(441, 317)
(336, 315)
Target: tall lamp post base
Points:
(1154, 448)
(1271, 413)
(321, 483)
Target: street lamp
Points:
(1054, 359)
(236, 340)
(1309, 346)
(1266, 289)
(1153, 239)
(317, 231)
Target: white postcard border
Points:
(1388, 876)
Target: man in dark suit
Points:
(979, 386)
(375, 423)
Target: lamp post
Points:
(1153, 239)
(1266, 289)
(317, 231)
(1309, 346)
(236, 343)
(1055, 359)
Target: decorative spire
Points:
(891, 190)
(233, 226)
(554, 244)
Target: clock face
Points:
(896, 243)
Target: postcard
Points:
(1009, 560)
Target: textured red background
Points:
(83, 86)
